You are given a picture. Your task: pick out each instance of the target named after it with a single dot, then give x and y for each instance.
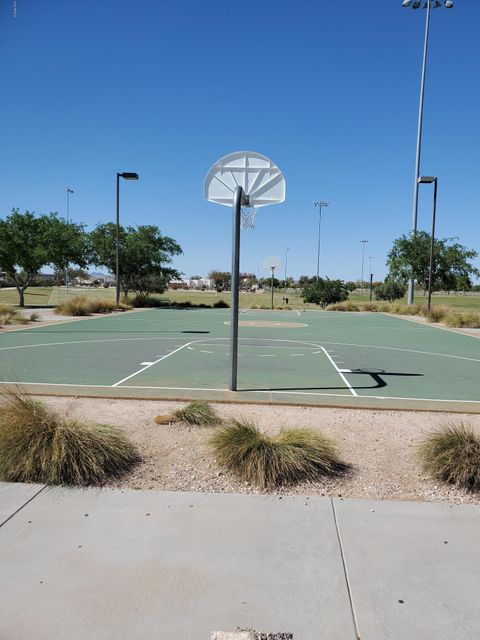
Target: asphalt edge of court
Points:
(268, 403)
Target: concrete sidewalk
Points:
(111, 564)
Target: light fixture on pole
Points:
(69, 191)
(429, 180)
(125, 176)
(319, 204)
(363, 243)
(272, 263)
(416, 4)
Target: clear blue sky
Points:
(327, 89)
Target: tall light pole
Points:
(429, 180)
(363, 243)
(125, 176)
(69, 191)
(319, 204)
(416, 4)
(370, 276)
(286, 262)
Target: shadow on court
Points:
(376, 375)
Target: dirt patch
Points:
(380, 446)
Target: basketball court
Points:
(311, 357)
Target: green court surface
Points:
(311, 357)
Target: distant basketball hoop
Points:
(245, 181)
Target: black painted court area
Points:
(312, 357)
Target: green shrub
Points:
(221, 304)
(199, 413)
(39, 445)
(292, 456)
(324, 292)
(452, 454)
(390, 291)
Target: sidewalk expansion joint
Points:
(345, 572)
(22, 506)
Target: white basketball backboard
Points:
(260, 178)
(272, 262)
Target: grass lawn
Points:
(43, 296)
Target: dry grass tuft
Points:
(468, 320)
(343, 306)
(198, 413)
(83, 306)
(39, 445)
(267, 462)
(452, 454)
(10, 315)
(77, 306)
(438, 313)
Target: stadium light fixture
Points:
(126, 176)
(429, 180)
(428, 5)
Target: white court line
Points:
(56, 344)
(203, 351)
(352, 390)
(132, 375)
(426, 353)
(285, 392)
(266, 355)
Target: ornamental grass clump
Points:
(452, 454)
(467, 320)
(198, 413)
(77, 306)
(294, 455)
(39, 445)
(9, 315)
(437, 313)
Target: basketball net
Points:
(247, 221)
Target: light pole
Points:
(125, 176)
(363, 243)
(416, 4)
(370, 274)
(319, 204)
(69, 191)
(429, 180)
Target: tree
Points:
(410, 257)
(324, 292)
(390, 291)
(304, 280)
(267, 283)
(221, 279)
(29, 242)
(144, 256)
(350, 286)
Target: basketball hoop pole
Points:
(239, 199)
(273, 274)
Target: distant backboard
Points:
(272, 262)
(260, 178)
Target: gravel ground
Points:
(380, 446)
